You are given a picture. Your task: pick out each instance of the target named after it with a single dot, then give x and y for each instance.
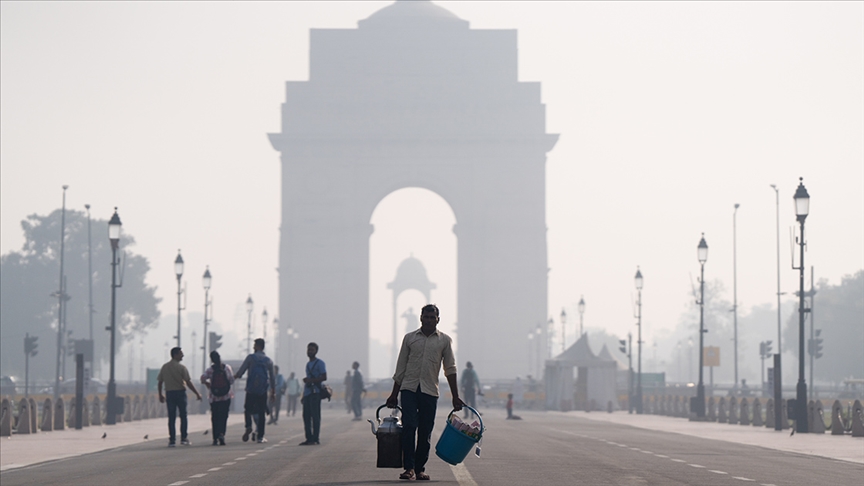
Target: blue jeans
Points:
(418, 419)
(176, 400)
(312, 416)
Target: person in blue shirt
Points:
(316, 374)
(277, 404)
(261, 379)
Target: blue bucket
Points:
(454, 445)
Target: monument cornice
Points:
(282, 141)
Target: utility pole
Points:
(735, 289)
(60, 296)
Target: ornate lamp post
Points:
(114, 225)
(249, 307)
(264, 316)
(581, 313)
(178, 269)
(206, 280)
(802, 208)
(563, 330)
(638, 281)
(702, 253)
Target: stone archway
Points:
(411, 275)
(414, 98)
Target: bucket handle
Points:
(482, 427)
(377, 418)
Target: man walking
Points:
(277, 404)
(316, 374)
(470, 385)
(293, 389)
(348, 393)
(218, 378)
(175, 376)
(357, 391)
(261, 378)
(416, 380)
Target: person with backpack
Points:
(261, 379)
(470, 384)
(218, 378)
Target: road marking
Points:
(696, 465)
(764, 484)
(463, 477)
(178, 483)
(214, 469)
(201, 475)
(622, 445)
(742, 479)
(647, 452)
(661, 455)
(678, 460)
(283, 441)
(239, 458)
(717, 472)
(229, 463)
(252, 454)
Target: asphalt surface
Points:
(541, 449)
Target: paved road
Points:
(543, 448)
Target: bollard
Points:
(744, 414)
(59, 414)
(136, 408)
(609, 406)
(70, 419)
(47, 416)
(817, 426)
(85, 415)
(711, 412)
(5, 418)
(757, 413)
(733, 410)
(837, 426)
(784, 415)
(127, 409)
(23, 417)
(721, 411)
(34, 415)
(857, 419)
(96, 413)
(769, 413)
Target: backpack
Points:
(219, 385)
(259, 380)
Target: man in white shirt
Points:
(416, 380)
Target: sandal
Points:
(422, 476)
(409, 474)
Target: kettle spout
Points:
(374, 431)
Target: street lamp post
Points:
(264, 323)
(249, 307)
(802, 208)
(114, 225)
(178, 269)
(702, 253)
(277, 339)
(563, 331)
(581, 307)
(61, 295)
(638, 281)
(735, 291)
(777, 216)
(537, 333)
(206, 280)
(530, 352)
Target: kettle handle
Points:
(382, 406)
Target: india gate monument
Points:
(414, 97)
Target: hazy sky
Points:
(669, 114)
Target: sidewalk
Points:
(24, 450)
(842, 448)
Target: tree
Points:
(28, 279)
(837, 311)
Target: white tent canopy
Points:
(598, 382)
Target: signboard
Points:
(653, 379)
(711, 356)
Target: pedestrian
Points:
(218, 379)
(293, 390)
(277, 404)
(347, 384)
(175, 377)
(416, 379)
(510, 415)
(261, 378)
(357, 391)
(470, 384)
(316, 374)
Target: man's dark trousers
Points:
(312, 416)
(418, 419)
(176, 400)
(219, 417)
(357, 403)
(255, 407)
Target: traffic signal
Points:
(623, 347)
(30, 345)
(767, 349)
(215, 341)
(762, 349)
(814, 346)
